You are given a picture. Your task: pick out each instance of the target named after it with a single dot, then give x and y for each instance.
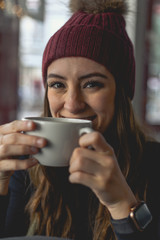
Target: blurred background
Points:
(25, 27)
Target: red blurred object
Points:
(9, 67)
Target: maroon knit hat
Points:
(98, 36)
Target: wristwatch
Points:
(140, 215)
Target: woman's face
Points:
(81, 88)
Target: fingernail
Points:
(29, 124)
(40, 142)
(34, 150)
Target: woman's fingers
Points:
(97, 162)
(14, 143)
(96, 140)
(96, 169)
(84, 161)
(98, 166)
(99, 170)
(11, 133)
(87, 160)
(16, 164)
(84, 170)
(16, 150)
(20, 138)
(83, 178)
(17, 126)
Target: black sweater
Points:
(14, 221)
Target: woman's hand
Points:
(99, 170)
(13, 143)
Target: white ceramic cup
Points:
(62, 135)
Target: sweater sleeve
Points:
(12, 215)
(3, 210)
(124, 228)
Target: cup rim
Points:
(57, 120)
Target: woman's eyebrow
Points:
(95, 74)
(89, 75)
(53, 75)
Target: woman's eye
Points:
(93, 84)
(56, 85)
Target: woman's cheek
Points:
(55, 104)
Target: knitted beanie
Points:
(96, 31)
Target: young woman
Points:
(107, 192)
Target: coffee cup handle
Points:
(85, 130)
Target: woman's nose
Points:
(74, 102)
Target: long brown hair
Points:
(72, 211)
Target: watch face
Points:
(141, 216)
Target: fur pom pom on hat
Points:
(98, 6)
(96, 31)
